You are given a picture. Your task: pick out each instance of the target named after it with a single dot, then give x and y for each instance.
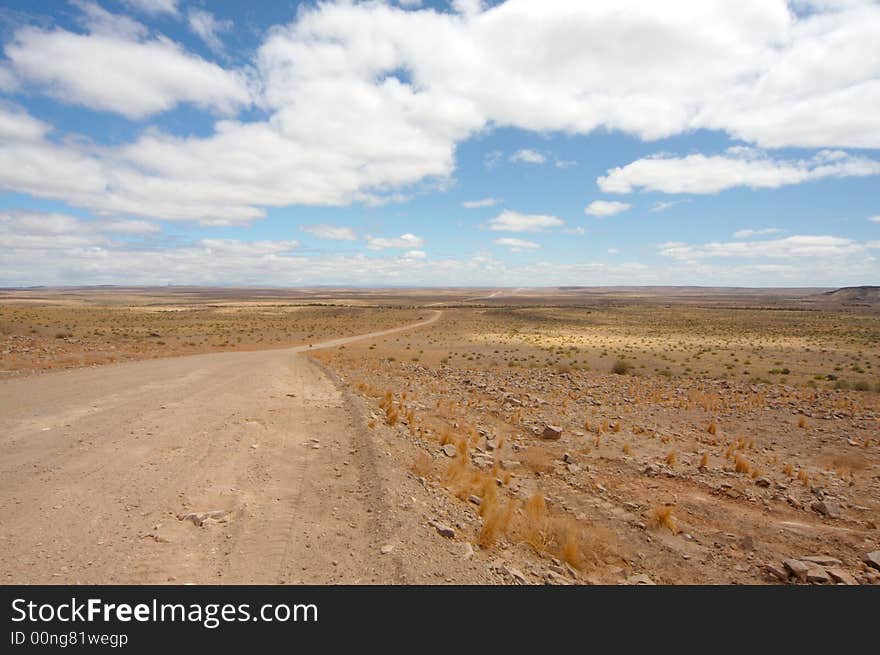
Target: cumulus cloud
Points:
(606, 207)
(29, 230)
(403, 241)
(204, 25)
(154, 6)
(738, 167)
(113, 68)
(768, 76)
(331, 232)
(799, 246)
(527, 156)
(875, 219)
(510, 221)
(517, 245)
(748, 233)
(485, 202)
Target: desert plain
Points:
(573, 435)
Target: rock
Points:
(516, 574)
(444, 530)
(508, 464)
(476, 500)
(822, 560)
(839, 575)
(639, 579)
(567, 458)
(775, 573)
(387, 548)
(872, 559)
(794, 502)
(205, 518)
(467, 551)
(826, 508)
(797, 568)
(449, 450)
(553, 578)
(551, 432)
(762, 482)
(817, 575)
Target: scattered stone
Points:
(775, 573)
(639, 579)
(467, 551)
(444, 530)
(551, 432)
(826, 508)
(516, 574)
(841, 576)
(205, 518)
(872, 559)
(449, 450)
(553, 578)
(822, 560)
(387, 548)
(817, 575)
(762, 482)
(567, 458)
(797, 568)
(508, 464)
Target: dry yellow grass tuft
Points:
(802, 421)
(741, 465)
(713, 428)
(662, 517)
(422, 465)
(704, 461)
(671, 458)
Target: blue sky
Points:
(517, 143)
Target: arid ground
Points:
(511, 436)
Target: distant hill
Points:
(869, 295)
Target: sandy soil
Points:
(247, 467)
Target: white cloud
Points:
(120, 72)
(527, 156)
(576, 231)
(738, 167)
(747, 233)
(332, 232)
(98, 20)
(415, 254)
(62, 250)
(403, 241)
(510, 221)
(485, 202)
(29, 230)
(517, 245)
(875, 219)
(154, 6)
(204, 25)
(799, 246)
(606, 207)
(613, 251)
(768, 76)
(661, 205)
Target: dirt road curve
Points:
(98, 465)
